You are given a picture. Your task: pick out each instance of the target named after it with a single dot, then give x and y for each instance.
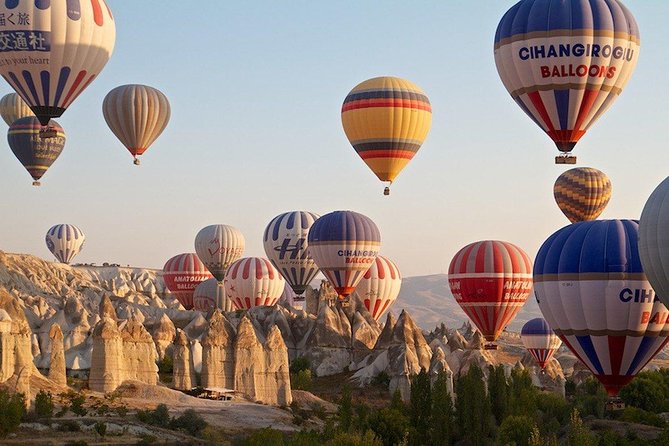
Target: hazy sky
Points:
(256, 90)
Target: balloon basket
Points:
(36, 183)
(490, 347)
(386, 191)
(136, 162)
(614, 404)
(48, 133)
(565, 159)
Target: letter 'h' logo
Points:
(293, 249)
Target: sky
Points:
(256, 90)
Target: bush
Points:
(77, 405)
(301, 380)
(101, 428)
(265, 437)
(146, 440)
(300, 364)
(191, 422)
(43, 405)
(636, 415)
(69, 426)
(390, 426)
(644, 393)
(516, 430)
(12, 410)
(166, 365)
(381, 380)
(160, 416)
(354, 439)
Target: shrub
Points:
(160, 416)
(77, 405)
(101, 428)
(301, 380)
(636, 415)
(191, 422)
(381, 380)
(12, 409)
(265, 437)
(644, 393)
(69, 426)
(300, 364)
(43, 405)
(516, 430)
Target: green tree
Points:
(472, 408)
(265, 437)
(345, 411)
(77, 404)
(354, 439)
(301, 380)
(498, 392)
(160, 416)
(299, 364)
(391, 426)
(101, 428)
(190, 421)
(396, 402)
(420, 408)
(522, 394)
(12, 410)
(645, 393)
(43, 405)
(442, 426)
(590, 398)
(578, 433)
(516, 430)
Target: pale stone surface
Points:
(218, 353)
(249, 361)
(139, 354)
(107, 357)
(163, 334)
(277, 389)
(57, 371)
(183, 372)
(439, 367)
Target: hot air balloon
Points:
(253, 282)
(592, 290)
(582, 193)
(54, 50)
(380, 286)
(539, 340)
(65, 242)
(13, 108)
(491, 281)
(218, 246)
(209, 295)
(344, 245)
(654, 240)
(386, 119)
(566, 62)
(182, 274)
(137, 115)
(285, 242)
(36, 154)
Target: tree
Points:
(522, 394)
(578, 434)
(101, 428)
(644, 393)
(498, 392)
(391, 426)
(190, 421)
(516, 430)
(472, 407)
(420, 408)
(77, 404)
(442, 426)
(43, 405)
(12, 410)
(354, 439)
(345, 411)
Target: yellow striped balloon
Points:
(386, 119)
(582, 193)
(13, 108)
(137, 114)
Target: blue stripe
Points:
(344, 226)
(31, 86)
(290, 224)
(641, 353)
(562, 104)
(62, 80)
(590, 352)
(537, 326)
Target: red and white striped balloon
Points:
(182, 274)
(380, 286)
(209, 295)
(491, 281)
(253, 282)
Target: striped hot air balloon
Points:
(65, 242)
(55, 49)
(491, 281)
(566, 62)
(182, 274)
(35, 153)
(218, 246)
(137, 115)
(209, 295)
(386, 119)
(654, 240)
(380, 286)
(253, 282)
(285, 242)
(344, 245)
(539, 340)
(12, 108)
(582, 193)
(592, 290)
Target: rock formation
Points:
(16, 357)
(163, 334)
(183, 374)
(439, 366)
(139, 354)
(57, 371)
(218, 353)
(106, 357)
(277, 370)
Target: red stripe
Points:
(379, 268)
(498, 259)
(258, 268)
(97, 12)
(589, 97)
(616, 350)
(86, 84)
(246, 268)
(538, 103)
(76, 83)
(374, 103)
(479, 264)
(235, 268)
(270, 269)
(403, 154)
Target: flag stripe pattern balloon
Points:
(380, 286)
(137, 115)
(491, 281)
(582, 193)
(12, 108)
(285, 242)
(36, 154)
(566, 62)
(654, 240)
(344, 245)
(539, 340)
(209, 295)
(253, 282)
(182, 274)
(58, 48)
(65, 241)
(592, 290)
(218, 246)
(386, 119)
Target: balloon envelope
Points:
(182, 274)
(344, 245)
(386, 119)
(380, 286)
(35, 153)
(285, 242)
(210, 295)
(137, 115)
(12, 107)
(491, 281)
(654, 240)
(582, 193)
(539, 340)
(593, 292)
(566, 62)
(218, 246)
(253, 282)
(65, 241)
(54, 50)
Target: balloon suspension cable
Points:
(48, 132)
(136, 161)
(36, 183)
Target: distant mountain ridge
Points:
(430, 302)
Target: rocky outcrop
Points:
(477, 341)
(139, 354)
(277, 389)
(57, 372)
(218, 353)
(183, 374)
(16, 357)
(107, 309)
(163, 334)
(439, 367)
(107, 357)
